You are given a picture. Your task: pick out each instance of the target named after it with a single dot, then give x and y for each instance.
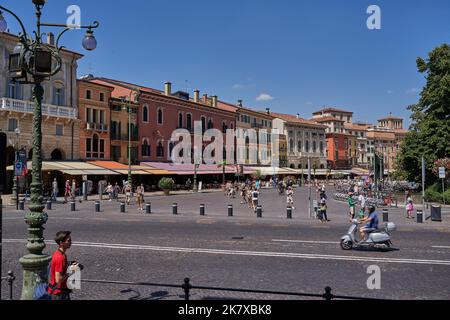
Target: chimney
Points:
(214, 101)
(50, 39)
(168, 88)
(196, 95)
(298, 115)
(268, 110)
(205, 98)
(239, 103)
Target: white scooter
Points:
(379, 239)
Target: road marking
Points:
(441, 247)
(251, 253)
(301, 241)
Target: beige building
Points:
(305, 139)
(60, 128)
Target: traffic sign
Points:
(18, 169)
(442, 173)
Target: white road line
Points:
(251, 253)
(441, 247)
(301, 241)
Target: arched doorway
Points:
(56, 155)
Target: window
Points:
(160, 150)
(115, 153)
(88, 148)
(12, 125)
(291, 145)
(189, 121)
(321, 148)
(210, 124)
(95, 146)
(307, 146)
(88, 94)
(145, 149)
(314, 146)
(14, 90)
(203, 124)
(180, 120)
(224, 127)
(145, 114)
(102, 96)
(160, 116)
(299, 146)
(59, 130)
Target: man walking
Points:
(55, 190)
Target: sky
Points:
(293, 56)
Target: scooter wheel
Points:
(346, 245)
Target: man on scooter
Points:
(371, 225)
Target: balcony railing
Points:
(97, 127)
(7, 104)
(124, 137)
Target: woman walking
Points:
(409, 208)
(139, 197)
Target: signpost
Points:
(442, 176)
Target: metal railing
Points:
(187, 287)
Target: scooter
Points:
(379, 239)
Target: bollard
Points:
(385, 215)
(10, 279)
(289, 212)
(49, 205)
(328, 296)
(419, 216)
(230, 210)
(259, 211)
(122, 207)
(148, 208)
(186, 287)
(97, 206)
(202, 209)
(175, 208)
(21, 205)
(72, 206)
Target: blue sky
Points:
(303, 54)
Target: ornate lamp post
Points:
(39, 61)
(128, 108)
(15, 188)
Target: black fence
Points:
(187, 287)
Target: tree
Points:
(430, 128)
(223, 165)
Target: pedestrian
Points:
(127, 191)
(362, 203)
(139, 197)
(323, 211)
(409, 208)
(67, 191)
(116, 191)
(290, 197)
(55, 190)
(255, 195)
(351, 204)
(73, 190)
(58, 268)
(109, 190)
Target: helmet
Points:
(371, 208)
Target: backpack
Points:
(41, 289)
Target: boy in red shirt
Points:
(58, 268)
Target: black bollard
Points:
(230, 210)
(72, 206)
(202, 209)
(21, 205)
(49, 205)
(97, 206)
(148, 207)
(175, 208)
(419, 216)
(122, 207)
(259, 211)
(385, 215)
(289, 212)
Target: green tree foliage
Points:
(430, 128)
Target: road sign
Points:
(442, 173)
(18, 169)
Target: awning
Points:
(123, 168)
(269, 171)
(73, 168)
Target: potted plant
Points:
(166, 184)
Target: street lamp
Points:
(127, 107)
(40, 61)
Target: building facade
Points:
(305, 140)
(95, 118)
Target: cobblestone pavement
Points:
(243, 251)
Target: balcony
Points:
(124, 137)
(100, 127)
(257, 126)
(21, 106)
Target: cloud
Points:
(308, 103)
(413, 91)
(264, 97)
(390, 92)
(238, 86)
